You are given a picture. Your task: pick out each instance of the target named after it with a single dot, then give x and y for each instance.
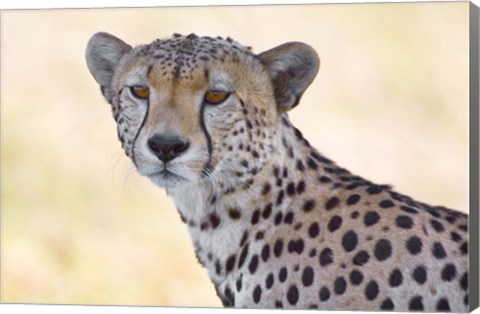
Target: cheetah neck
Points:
(218, 223)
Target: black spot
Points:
(353, 186)
(354, 215)
(214, 220)
(409, 209)
(238, 283)
(340, 285)
(269, 281)
(334, 223)
(300, 187)
(465, 300)
(312, 164)
(267, 211)
(420, 274)
(252, 267)
(387, 304)
(309, 205)
(383, 249)
(371, 290)
(265, 252)
(464, 248)
(307, 276)
(280, 196)
(278, 304)
(356, 277)
(282, 274)
(218, 267)
(326, 257)
(292, 295)
(455, 236)
(230, 263)
(361, 258)
(353, 199)
(349, 241)
(234, 213)
(238, 173)
(243, 256)
(443, 305)
(288, 218)
(449, 272)
(278, 218)
(432, 211)
(416, 303)
(266, 188)
(278, 248)
(255, 217)
(404, 222)
(290, 188)
(438, 251)
(182, 218)
(451, 219)
(371, 218)
(464, 281)
(324, 294)
(279, 182)
(414, 245)
(229, 299)
(313, 230)
(300, 165)
(332, 202)
(324, 179)
(257, 294)
(320, 158)
(396, 278)
(438, 226)
(386, 204)
(374, 189)
(244, 238)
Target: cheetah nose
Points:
(167, 147)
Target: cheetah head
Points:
(191, 108)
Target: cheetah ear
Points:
(104, 52)
(292, 68)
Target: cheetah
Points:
(275, 223)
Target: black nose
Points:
(167, 147)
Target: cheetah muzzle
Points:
(275, 223)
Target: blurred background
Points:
(80, 226)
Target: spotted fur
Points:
(275, 223)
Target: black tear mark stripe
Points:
(139, 130)
(208, 166)
(247, 122)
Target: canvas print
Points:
(276, 157)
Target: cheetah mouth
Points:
(166, 178)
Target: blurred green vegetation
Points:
(80, 226)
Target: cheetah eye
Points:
(215, 97)
(141, 92)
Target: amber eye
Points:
(141, 92)
(215, 97)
